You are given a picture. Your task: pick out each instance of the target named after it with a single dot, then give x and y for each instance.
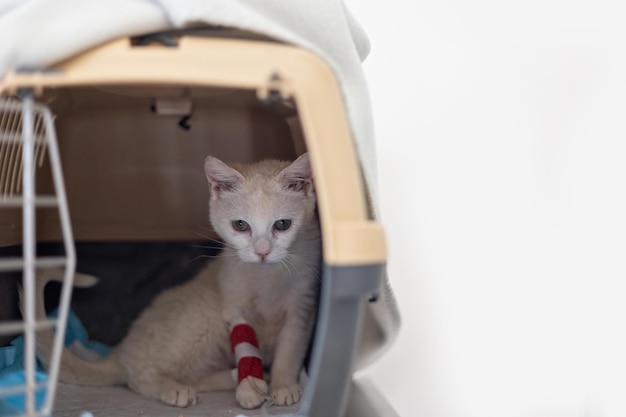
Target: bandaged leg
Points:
(245, 346)
(252, 389)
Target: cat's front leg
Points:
(291, 348)
(251, 392)
(251, 389)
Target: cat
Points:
(266, 276)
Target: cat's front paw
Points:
(286, 394)
(251, 392)
(181, 396)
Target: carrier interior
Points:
(134, 174)
(136, 191)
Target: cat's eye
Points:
(282, 224)
(240, 225)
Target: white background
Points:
(501, 129)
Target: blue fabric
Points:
(12, 364)
(75, 331)
(13, 404)
(12, 357)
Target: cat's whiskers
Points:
(207, 229)
(284, 266)
(221, 248)
(315, 270)
(304, 253)
(303, 261)
(288, 263)
(210, 239)
(228, 253)
(206, 247)
(199, 257)
(202, 235)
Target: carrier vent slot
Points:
(11, 145)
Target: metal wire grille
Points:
(26, 131)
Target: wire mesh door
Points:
(27, 140)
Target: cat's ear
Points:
(221, 177)
(298, 176)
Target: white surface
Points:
(501, 145)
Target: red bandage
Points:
(245, 346)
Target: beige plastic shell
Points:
(350, 237)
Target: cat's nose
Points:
(262, 248)
(262, 254)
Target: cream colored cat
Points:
(267, 276)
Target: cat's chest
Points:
(270, 303)
(266, 296)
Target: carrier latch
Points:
(275, 91)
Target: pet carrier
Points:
(113, 137)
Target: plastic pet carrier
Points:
(102, 142)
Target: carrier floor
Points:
(73, 400)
